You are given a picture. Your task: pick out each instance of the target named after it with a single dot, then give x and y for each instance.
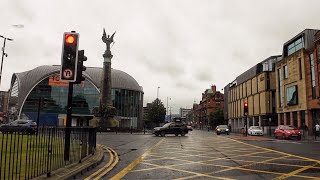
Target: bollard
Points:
(131, 129)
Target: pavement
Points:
(204, 155)
(74, 170)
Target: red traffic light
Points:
(246, 104)
(70, 39)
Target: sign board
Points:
(54, 80)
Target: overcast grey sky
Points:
(183, 46)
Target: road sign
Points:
(67, 73)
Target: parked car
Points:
(175, 128)
(19, 126)
(222, 129)
(189, 128)
(287, 132)
(255, 130)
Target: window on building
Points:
(292, 95)
(300, 68)
(313, 79)
(280, 87)
(295, 46)
(285, 72)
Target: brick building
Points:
(211, 100)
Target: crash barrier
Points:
(27, 153)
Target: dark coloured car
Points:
(222, 129)
(175, 128)
(287, 132)
(19, 126)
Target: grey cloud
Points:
(205, 75)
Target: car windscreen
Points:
(257, 128)
(223, 126)
(166, 125)
(289, 128)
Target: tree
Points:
(216, 117)
(157, 112)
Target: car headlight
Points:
(218, 129)
(227, 129)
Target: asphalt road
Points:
(204, 155)
(310, 149)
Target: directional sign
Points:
(67, 73)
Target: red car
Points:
(287, 132)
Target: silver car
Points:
(255, 131)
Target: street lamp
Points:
(3, 53)
(168, 105)
(158, 92)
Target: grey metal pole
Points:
(158, 92)
(167, 107)
(4, 44)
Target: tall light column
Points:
(3, 53)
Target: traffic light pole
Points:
(246, 124)
(68, 124)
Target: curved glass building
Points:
(42, 89)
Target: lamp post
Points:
(158, 92)
(168, 105)
(3, 53)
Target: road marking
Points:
(285, 176)
(111, 166)
(104, 167)
(127, 169)
(271, 150)
(114, 159)
(190, 172)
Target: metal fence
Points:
(28, 153)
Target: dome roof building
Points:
(43, 82)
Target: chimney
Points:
(214, 88)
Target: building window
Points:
(300, 68)
(313, 79)
(280, 87)
(292, 95)
(285, 72)
(295, 46)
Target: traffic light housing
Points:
(80, 67)
(69, 56)
(246, 109)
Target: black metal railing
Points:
(26, 153)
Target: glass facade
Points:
(313, 78)
(85, 98)
(295, 46)
(285, 72)
(280, 87)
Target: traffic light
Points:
(81, 67)
(69, 56)
(245, 109)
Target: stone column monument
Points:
(107, 111)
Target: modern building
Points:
(44, 82)
(211, 100)
(184, 112)
(3, 106)
(297, 81)
(146, 110)
(257, 87)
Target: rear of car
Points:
(222, 129)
